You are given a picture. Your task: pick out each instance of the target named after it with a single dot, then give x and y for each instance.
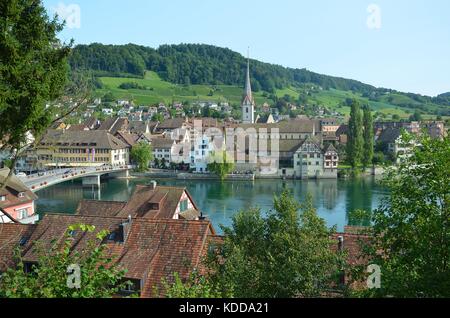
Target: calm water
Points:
(332, 198)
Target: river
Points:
(220, 201)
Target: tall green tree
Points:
(221, 164)
(286, 254)
(355, 141)
(142, 154)
(412, 226)
(368, 149)
(33, 70)
(100, 276)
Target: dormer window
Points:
(2, 198)
(21, 194)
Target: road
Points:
(38, 181)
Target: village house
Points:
(172, 124)
(17, 202)
(147, 201)
(307, 159)
(329, 125)
(163, 150)
(148, 249)
(63, 148)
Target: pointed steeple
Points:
(248, 87)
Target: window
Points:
(2, 197)
(21, 195)
(183, 205)
(23, 214)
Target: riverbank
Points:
(166, 174)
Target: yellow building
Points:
(66, 148)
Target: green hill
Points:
(205, 72)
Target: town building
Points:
(328, 125)
(63, 148)
(163, 150)
(17, 202)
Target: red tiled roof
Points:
(12, 190)
(159, 203)
(99, 208)
(153, 249)
(11, 235)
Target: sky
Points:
(401, 44)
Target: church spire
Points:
(248, 104)
(248, 87)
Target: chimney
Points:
(341, 243)
(341, 249)
(153, 185)
(124, 229)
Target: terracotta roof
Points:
(91, 122)
(342, 130)
(86, 138)
(290, 126)
(389, 135)
(136, 126)
(114, 124)
(152, 250)
(128, 138)
(78, 127)
(12, 190)
(170, 124)
(162, 143)
(159, 203)
(12, 235)
(99, 208)
(352, 245)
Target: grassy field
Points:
(154, 90)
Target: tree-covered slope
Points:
(199, 64)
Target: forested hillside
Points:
(190, 64)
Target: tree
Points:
(285, 254)
(417, 116)
(158, 117)
(142, 154)
(412, 225)
(355, 135)
(197, 286)
(33, 71)
(368, 149)
(220, 164)
(100, 276)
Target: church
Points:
(248, 103)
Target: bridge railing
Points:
(37, 182)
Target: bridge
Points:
(90, 176)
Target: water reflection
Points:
(332, 198)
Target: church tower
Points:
(248, 104)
